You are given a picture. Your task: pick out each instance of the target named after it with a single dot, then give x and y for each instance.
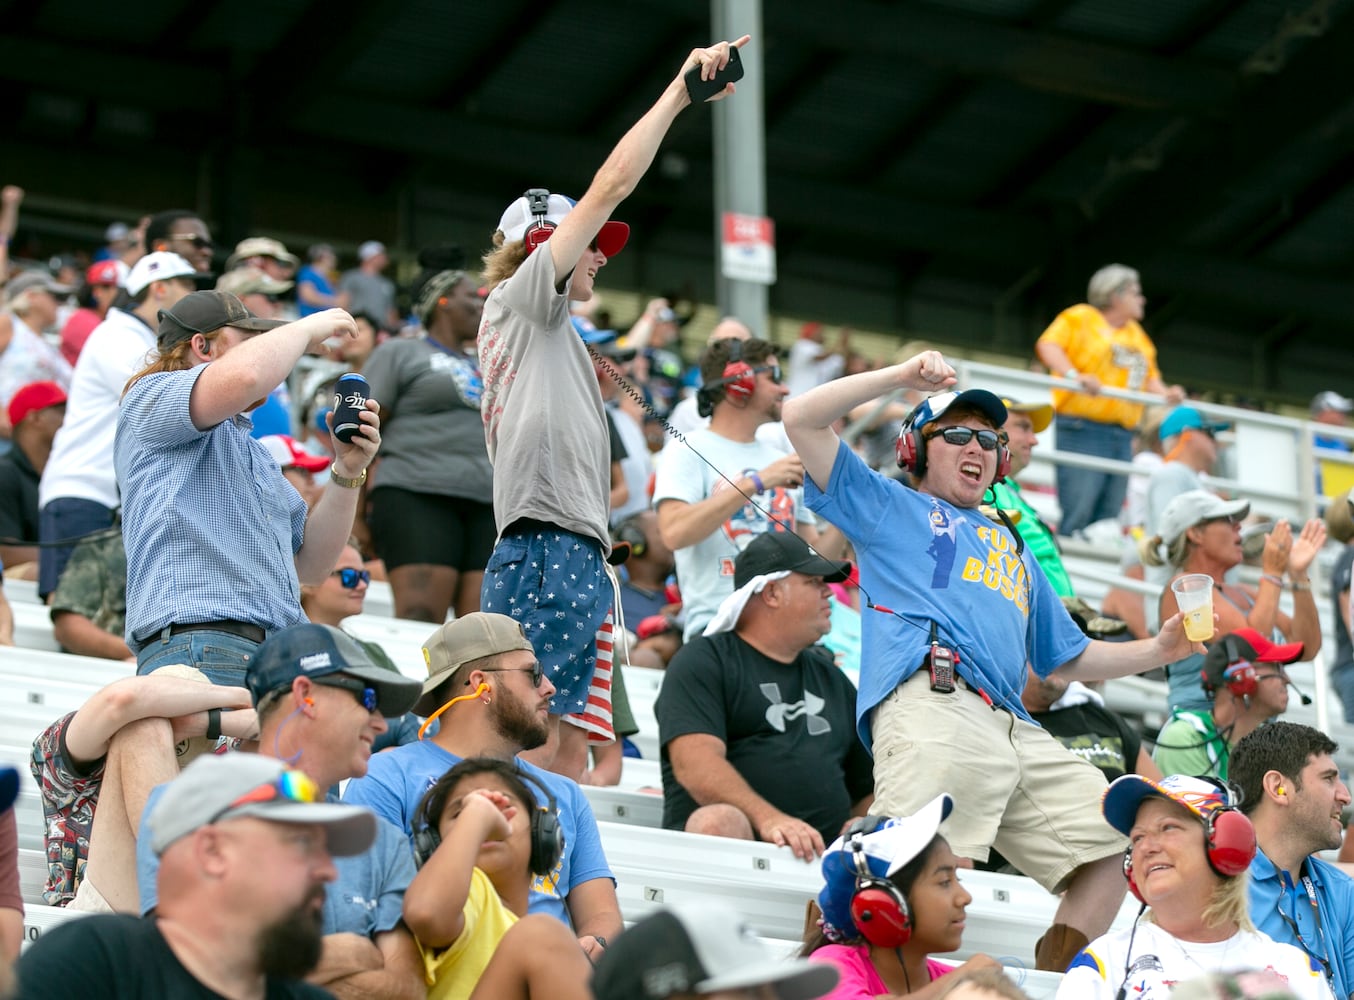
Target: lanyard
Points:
(1324, 956)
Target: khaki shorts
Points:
(1014, 786)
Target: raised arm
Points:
(1101, 660)
(259, 364)
(629, 161)
(809, 418)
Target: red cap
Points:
(105, 272)
(1269, 652)
(290, 455)
(34, 396)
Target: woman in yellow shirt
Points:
(1101, 345)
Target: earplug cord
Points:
(461, 697)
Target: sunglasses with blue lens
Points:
(366, 696)
(350, 578)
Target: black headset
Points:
(547, 837)
(630, 532)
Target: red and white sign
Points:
(748, 248)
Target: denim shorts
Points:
(554, 582)
(222, 656)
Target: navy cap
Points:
(315, 651)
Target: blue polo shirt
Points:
(1274, 895)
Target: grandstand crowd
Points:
(867, 647)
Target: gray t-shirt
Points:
(543, 416)
(705, 570)
(372, 294)
(432, 436)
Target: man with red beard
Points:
(490, 698)
(321, 703)
(246, 848)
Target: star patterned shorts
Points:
(554, 582)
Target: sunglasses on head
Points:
(365, 695)
(292, 785)
(987, 439)
(536, 671)
(350, 578)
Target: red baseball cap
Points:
(34, 396)
(1269, 652)
(105, 272)
(290, 455)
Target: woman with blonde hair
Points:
(1189, 852)
(1201, 533)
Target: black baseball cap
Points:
(778, 551)
(207, 312)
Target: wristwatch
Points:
(344, 481)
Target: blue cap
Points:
(934, 407)
(587, 329)
(1187, 418)
(314, 651)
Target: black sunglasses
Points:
(987, 439)
(366, 696)
(536, 671)
(200, 242)
(350, 578)
(773, 369)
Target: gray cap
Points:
(213, 788)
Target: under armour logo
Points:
(782, 712)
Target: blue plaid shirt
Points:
(210, 524)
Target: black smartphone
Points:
(702, 90)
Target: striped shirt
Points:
(210, 524)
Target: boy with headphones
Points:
(1243, 674)
(480, 838)
(965, 608)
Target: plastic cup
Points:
(1194, 596)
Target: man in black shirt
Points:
(757, 724)
(35, 413)
(246, 848)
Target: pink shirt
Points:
(859, 979)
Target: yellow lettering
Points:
(973, 569)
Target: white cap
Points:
(159, 266)
(370, 249)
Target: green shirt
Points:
(1037, 536)
(1190, 744)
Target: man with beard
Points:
(246, 848)
(728, 487)
(321, 702)
(489, 697)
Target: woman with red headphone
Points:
(892, 897)
(1188, 855)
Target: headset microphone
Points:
(1306, 698)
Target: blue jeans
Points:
(1089, 495)
(1342, 679)
(65, 517)
(222, 656)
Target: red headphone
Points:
(1239, 677)
(878, 907)
(1229, 840)
(739, 381)
(538, 203)
(911, 449)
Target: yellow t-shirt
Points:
(1122, 358)
(451, 973)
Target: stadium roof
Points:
(957, 167)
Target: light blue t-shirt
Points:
(932, 562)
(366, 899)
(1273, 894)
(397, 780)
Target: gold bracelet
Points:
(346, 483)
